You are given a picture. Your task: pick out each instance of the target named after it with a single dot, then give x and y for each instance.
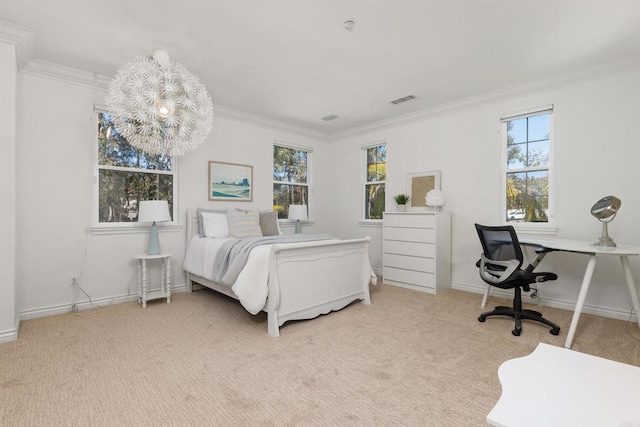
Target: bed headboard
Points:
(192, 224)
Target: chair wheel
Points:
(516, 332)
(555, 331)
(482, 318)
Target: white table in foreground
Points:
(587, 248)
(554, 386)
(165, 278)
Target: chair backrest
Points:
(502, 256)
(500, 243)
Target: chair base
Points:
(519, 316)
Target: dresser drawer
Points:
(410, 220)
(426, 265)
(426, 250)
(410, 234)
(410, 277)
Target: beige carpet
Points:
(408, 359)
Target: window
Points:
(127, 175)
(375, 177)
(290, 178)
(527, 150)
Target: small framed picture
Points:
(418, 185)
(230, 182)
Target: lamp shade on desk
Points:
(298, 213)
(153, 211)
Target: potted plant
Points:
(401, 200)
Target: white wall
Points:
(55, 157)
(8, 296)
(596, 151)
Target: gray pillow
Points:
(269, 223)
(200, 220)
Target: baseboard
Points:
(565, 305)
(84, 305)
(8, 335)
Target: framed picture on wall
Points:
(230, 182)
(418, 185)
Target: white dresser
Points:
(417, 250)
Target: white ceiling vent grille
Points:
(330, 117)
(403, 99)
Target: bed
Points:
(288, 281)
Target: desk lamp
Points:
(605, 210)
(297, 213)
(153, 211)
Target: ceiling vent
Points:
(330, 117)
(403, 99)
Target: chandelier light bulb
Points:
(164, 109)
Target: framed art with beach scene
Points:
(230, 182)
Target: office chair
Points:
(500, 266)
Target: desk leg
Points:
(632, 286)
(586, 281)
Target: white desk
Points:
(587, 248)
(554, 386)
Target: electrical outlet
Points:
(74, 282)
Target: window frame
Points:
(98, 227)
(528, 227)
(365, 183)
(308, 184)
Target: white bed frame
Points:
(311, 279)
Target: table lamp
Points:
(153, 211)
(297, 213)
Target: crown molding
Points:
(530, 88)
(23, 38)
(47, 69)
(253, 119)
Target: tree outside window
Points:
(127, 175)
(374, 187)
(527, 170)
(290, 179)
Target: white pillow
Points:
(244, 223)
(215, 224)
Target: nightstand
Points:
(165, 278)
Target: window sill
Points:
(98, 230)
(376, 223)
(285, 223)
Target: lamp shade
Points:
(159, 106)
(298, 212)
(153, 211)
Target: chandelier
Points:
(159, 106)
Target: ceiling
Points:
(295, 62)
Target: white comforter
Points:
(251, 286)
